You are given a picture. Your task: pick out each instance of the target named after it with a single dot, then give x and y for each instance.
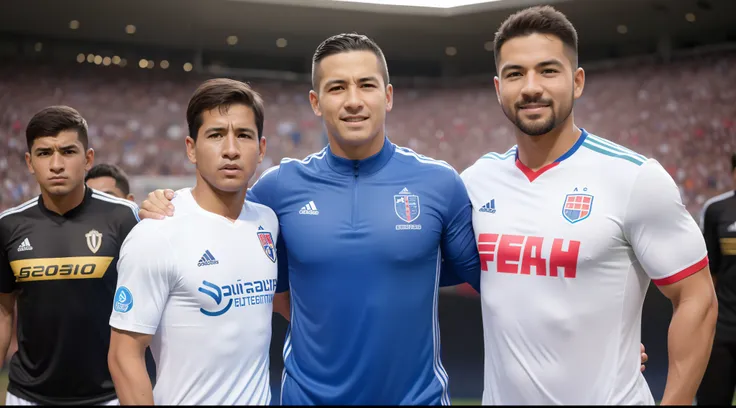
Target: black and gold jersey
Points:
(718, 222)
(63, 268)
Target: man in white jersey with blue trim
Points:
(199, 286)
(571, 228)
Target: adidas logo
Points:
(489, 207)
(25, 246)
(207, 259)
(309, 209)
(404, 191)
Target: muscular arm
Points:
(7, 311)
(13, 348)
(127, 363)
(690, 336)
(460, 262)
(670, 248)
(282, 305)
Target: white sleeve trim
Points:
(132, 327)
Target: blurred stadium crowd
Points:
(682, 113)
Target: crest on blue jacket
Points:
(406, 206)
(267, 244)
(577, 207)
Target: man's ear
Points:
(191, 153)
(29, 163)
(261, 149)
(497, 85)
(90, 157)
(314, 102)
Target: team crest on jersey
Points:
(94, 240)
(406, 206)
(577, 206)
(267, 244)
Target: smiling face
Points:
(537, 83)
(352, 98)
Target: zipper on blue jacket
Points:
(355, 195)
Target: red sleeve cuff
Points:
(683, 273)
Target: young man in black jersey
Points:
(58, 255)
(718, 223)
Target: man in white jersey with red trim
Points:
(199, 286)
(571, 228)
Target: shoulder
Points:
(150, 244)
(289, 164)
(153, 235)
(12, 213)
(287, 169)
(18, 216)
(717, 201)
(495, 157)
(413, 159)
(489, 161)
(263, 211)
(652, 192)
(612, 153)
(269, 176)
(119, 206)
(652, 173)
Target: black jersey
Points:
(64, 270)
(718, 222)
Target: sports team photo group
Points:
(547, 220)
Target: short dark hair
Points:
(733, 162)
(53, 120)
(347, 42)
(110, 170)
(221, 93)
(537, 20)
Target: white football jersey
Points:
(203, 286)
(567, 254)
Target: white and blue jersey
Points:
(361, 248)
(202, 286)
(567, 254)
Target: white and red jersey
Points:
(567, 253)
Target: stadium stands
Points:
(682, 114)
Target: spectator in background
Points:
(681, 114)
(109, 179)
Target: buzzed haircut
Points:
(347, 42)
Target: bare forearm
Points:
(129, 374)
(282, 305)
(6, 332)
(690, 341)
